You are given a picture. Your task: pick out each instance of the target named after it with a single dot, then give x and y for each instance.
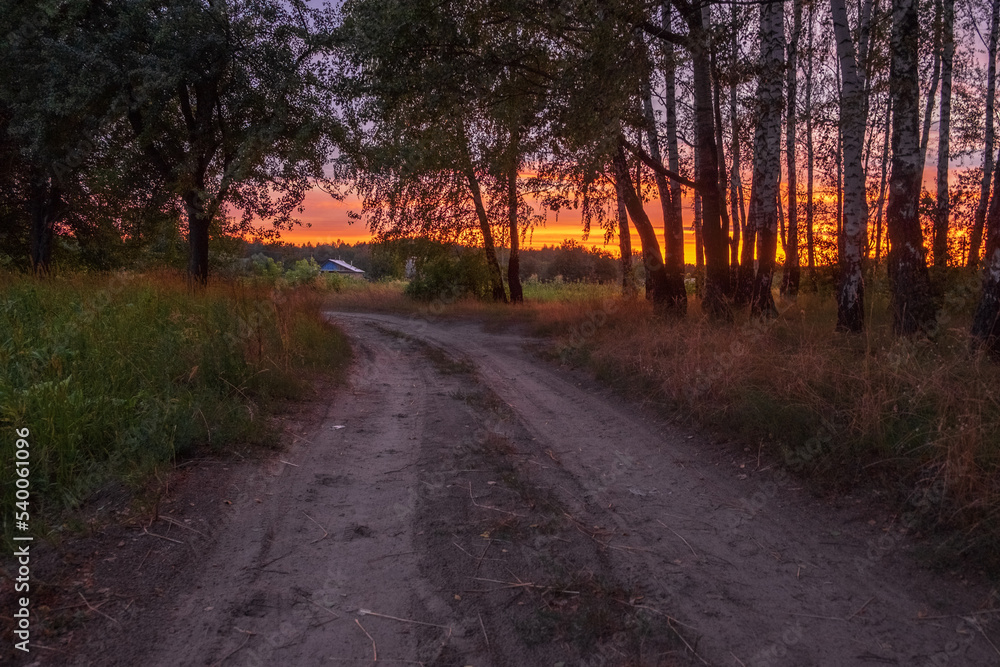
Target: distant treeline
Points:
(569, 262)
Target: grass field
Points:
(115, 376)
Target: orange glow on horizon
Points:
(328, 223)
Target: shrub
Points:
(264, 267)
(303, 272)
(451, 273)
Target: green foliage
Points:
(303, 272)
(116, 115)
(449, 273)
(115, 376)
(574, 263)
(264, 267)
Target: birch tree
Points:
(935, 80)
(624, 242)
(940, 242)
(912, 307)
(790, 279)
(673, 220)
(672, 226)
(986, 321)
(737, 208)
(975, 243)
(810, 148)
(850, 295)
(656, 273)
(706, 181)
(763, 214)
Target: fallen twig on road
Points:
(374, 648)
(233, 652)
(179, 524)
(483, 627)
(325, 533)
(526, 584)
(679, 537)
(369, 612)
(98, 611)
(488, 507)
(168, 539)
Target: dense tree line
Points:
(123, 121)
(569, 261)
(798, 124)
(622, 100)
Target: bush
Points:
(303, 272)
(264, 267)
(451, 272)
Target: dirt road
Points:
(463, 503)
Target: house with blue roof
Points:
(341, 268)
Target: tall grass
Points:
(117, 375)
(916, 419)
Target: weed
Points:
(115, 376)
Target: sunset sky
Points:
(329, 222)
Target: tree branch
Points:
(656, 165)
(666, 35)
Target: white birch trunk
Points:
(940, 243)
(850, 297)
(767, 153)
(984, 188)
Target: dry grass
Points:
(919, 419)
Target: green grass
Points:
(114, 376)
(540, 292)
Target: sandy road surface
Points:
(492, 509)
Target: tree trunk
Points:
(744, 287)
(851, 293)
(838, 159)
(46, 206)
(673, 231)
(496, 276)
(869, 9)
(199, 222)
(984, 191)
(624, 242)
(986, 321)
(737, 210)
(790, 279)
(699, 237)
(715, 301)
(881, 187)
(673, 228)
(717, 110)
(810, 155)
(699, 243)
(652, 259)
(932, 95)
(912, 305)
(514, 263)
(940, 243)
(767, 155)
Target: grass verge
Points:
(916, 420)
(115, 376)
